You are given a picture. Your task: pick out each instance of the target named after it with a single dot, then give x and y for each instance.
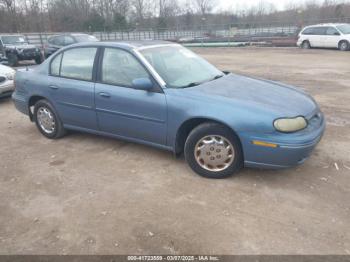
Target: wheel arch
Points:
(343, 40)
(187, 126)
(306, 40)
(32, 101)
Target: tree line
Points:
(128, 15)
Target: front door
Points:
(71, 87)
(123, 110)
(332, 37)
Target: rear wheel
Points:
(344, 46)
(38, 59)
(12, 59)
(47, 120)
(306, 45)
(213, 151)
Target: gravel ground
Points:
(85, 194)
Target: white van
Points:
(326, 36)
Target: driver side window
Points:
(121, 68)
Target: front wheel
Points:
(344, 46)
(38, 59)
(47, 120)
(12, 59)
(213, 151)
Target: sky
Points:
(244, 4)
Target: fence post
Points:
(41, 40)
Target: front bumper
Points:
(292, 149)
(28, 55)
(6, 88)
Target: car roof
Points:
(71, 34)
(327, 24)
(128, 44)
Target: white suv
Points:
(325, 35)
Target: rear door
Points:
(317, 35)
(71, 86)
(123, 110)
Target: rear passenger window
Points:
(320, 30)
(308, 31)
(55, 65)
(78, 63)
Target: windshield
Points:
(85, 38)
(179, 67)
(14, 40)
(345, 29)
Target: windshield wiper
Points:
(198, 83)
(217, 77)
(192, 84)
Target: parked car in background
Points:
(54, 43)
(325, 36)
(15, 48)
(162, 94)
(7, 75)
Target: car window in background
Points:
(332, 31)
(14, 39)
(180, 67)
(345, 29)
(55, 65)
(51, 40)
(57, 40)
(85, 38)
(78, 63)
(68, 40)
(319, 30)
(121, 68)
(308, 31)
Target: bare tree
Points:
(142, 9)
(204, 6)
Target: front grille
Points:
(29, 51)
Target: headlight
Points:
(10, 76)
(290, 124)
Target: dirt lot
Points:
(85, 194)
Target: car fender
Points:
(237, 117)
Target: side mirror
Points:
(142, 84)
(336, 33)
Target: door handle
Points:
(104, 94)
(53, 87)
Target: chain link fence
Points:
(270, 33)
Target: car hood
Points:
(5, 70)
(272, 96)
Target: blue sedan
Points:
(162, 94)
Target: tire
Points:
(202, 137)
(306, 45)
(44, 107)
(344, 46)
(12, 59)
(38, 59)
